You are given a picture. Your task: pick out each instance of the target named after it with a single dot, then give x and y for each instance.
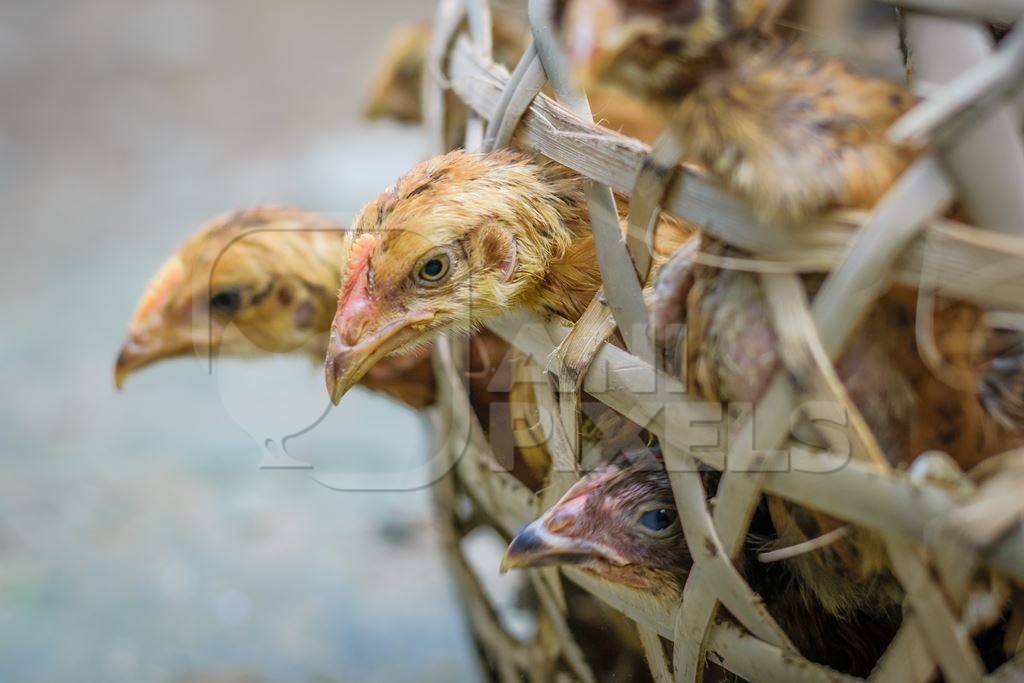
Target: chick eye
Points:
(227, 302)
(435, 269)
(659, 519)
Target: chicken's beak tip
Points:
(122, 367)
(511, 560)
(350, 356)
(524, 551)
(337, 383)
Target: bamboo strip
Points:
(948, 644)
(446, 23)
(573, 357)
(997, 11)
(906, 660)
(655, 653)
(622, 287)
(653, 179)
(972, 94)
(986, 160)
(571, 650)
(524, 84)
(728, 645)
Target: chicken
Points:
(793, 132)
(255, 282)
(620, 523)
(458, 240)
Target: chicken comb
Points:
(361, 250)
(158, 293)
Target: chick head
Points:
(254, 282)
(618, 522)
(459, 239)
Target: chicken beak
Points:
(360, 334)
(350, 356)
(151, 337)
(145, 347)
(537, 546)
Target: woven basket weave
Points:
(905, 240)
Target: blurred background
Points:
(139, 539)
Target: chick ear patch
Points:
(498, 248)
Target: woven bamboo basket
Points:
(969, 128)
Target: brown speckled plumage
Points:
(793, 132)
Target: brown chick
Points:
(251, 283)
(620, 524)
(793, 132)
(458, 240)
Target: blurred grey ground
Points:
(139, 540)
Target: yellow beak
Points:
(151, 337)
(351, 354)
(146, 346)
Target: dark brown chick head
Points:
(619, 523)
(459, 239)
(254, 282)
(653, 49)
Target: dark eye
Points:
(227, 302)
(435, 269)
(659, 519)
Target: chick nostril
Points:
(354, 332)
(559, 523)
